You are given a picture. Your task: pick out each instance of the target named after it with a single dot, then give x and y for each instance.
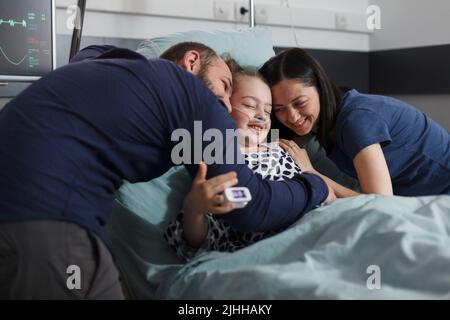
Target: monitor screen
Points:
(27, 39)
(238, 194)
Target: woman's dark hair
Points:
(296, 64)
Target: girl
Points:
(196, 230)
(388, 145)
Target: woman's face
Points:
(251, 100)
(296, 106)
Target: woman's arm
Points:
(372, 170)
(301, 158)
(205, 196)
(324, 165)
(339, 190)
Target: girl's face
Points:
(251, 100)
(296, 106)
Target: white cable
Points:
(287, 4)
(254, 121)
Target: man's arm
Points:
(274, 204)
(91, 52)
(278, 204)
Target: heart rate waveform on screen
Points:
(10, 60)
(26, 39)
(12, 23)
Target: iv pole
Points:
(251, 5)
(78, 28)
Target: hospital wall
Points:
(117, 22)
(119, 19)
(410, 55)
(411, 23)
(398, 60)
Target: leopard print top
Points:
(273, 164)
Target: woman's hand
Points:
(206, 195)
(299, 155)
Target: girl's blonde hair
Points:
(238, 71)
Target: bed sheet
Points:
(366, 247)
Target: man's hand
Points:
(207, 195)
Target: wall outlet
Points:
(261, 13)
(223, 10)
(241, 12)
(341, 21)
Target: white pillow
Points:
(250, 48)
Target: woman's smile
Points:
(301, 125)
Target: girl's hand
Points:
(299, 155)
(207, 195)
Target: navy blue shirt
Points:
(417, 149)
(69, 140)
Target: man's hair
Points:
(177, 52)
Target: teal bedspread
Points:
(367, 247)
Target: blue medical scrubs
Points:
(416, 149)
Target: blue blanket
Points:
(367, 247)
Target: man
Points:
(68, 141)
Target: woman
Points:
(388, 145)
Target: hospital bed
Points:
(367, 247)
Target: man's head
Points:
(204, 63)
